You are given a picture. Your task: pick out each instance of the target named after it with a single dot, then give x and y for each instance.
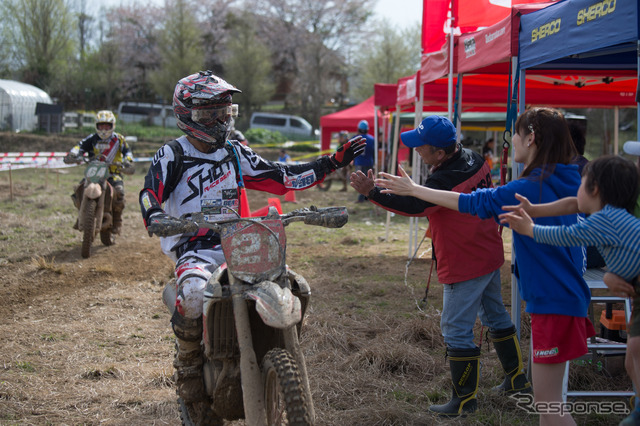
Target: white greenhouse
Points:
(18, 105)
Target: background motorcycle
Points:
(93, 198)
(252, 312)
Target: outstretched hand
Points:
(399, 185)
(525, 204)
(519, 221)
(361, 182)
(347, 152)
(618, 286)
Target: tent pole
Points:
(416, 174)
(394, 160)
(516, 300)
(616, 129)
(376, 109)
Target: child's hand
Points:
(618, 286)
(525, 205)
(518, 221)
(400, 185)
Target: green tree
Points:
(40, 36)
(389, 56)
(248, 68)
(180, 48)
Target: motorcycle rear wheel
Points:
(284, 394)
(89, 227)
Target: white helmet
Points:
(105, 117)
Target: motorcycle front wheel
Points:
(284, 394)
(89, 227)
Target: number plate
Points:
(95, 172)
(255, 251)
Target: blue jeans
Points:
(464, 301)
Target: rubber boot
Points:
(506, 343)
(465, 376)
(188, 361)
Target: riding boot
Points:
(117, 221)
(189, 358)
(506, 343)
(465, 376)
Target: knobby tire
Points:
(284, 394)
(88, 231)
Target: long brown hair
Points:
(551, 136)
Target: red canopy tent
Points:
(346, 119)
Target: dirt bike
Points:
(253, 309)
(93, 198)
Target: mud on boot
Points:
(188, 375)
(465, 376)
(508, 349)
(189, 358)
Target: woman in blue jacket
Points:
(549, 278)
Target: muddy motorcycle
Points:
(253, 310)
(93, 198)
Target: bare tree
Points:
(390, 55)
(134, 35)
(40, 37)
(307, 37)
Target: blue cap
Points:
(363, 125)
(434, 130)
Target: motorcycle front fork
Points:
(250, 375)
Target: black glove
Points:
(71, 159)
(347, 152)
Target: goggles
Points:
(104, 126)
(210, 114)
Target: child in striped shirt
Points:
(608, 194)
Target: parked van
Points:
(151, 114)
(289, 125)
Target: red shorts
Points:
(559, 338)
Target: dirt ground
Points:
(88, 341)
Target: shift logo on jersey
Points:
(304, 180)
(204, 180)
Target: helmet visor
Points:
(209, 115)
(104, 126)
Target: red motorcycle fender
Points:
(277, 306)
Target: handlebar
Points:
(328, 217)
(126, 168)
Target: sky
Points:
(400, 12)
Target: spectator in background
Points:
(284, 157)
(579, 140)
(365, 162)
(488, 151)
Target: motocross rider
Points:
(204, 171)
(107, 146)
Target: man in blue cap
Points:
(469, 254)
(365, 161)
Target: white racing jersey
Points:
(192, 181)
